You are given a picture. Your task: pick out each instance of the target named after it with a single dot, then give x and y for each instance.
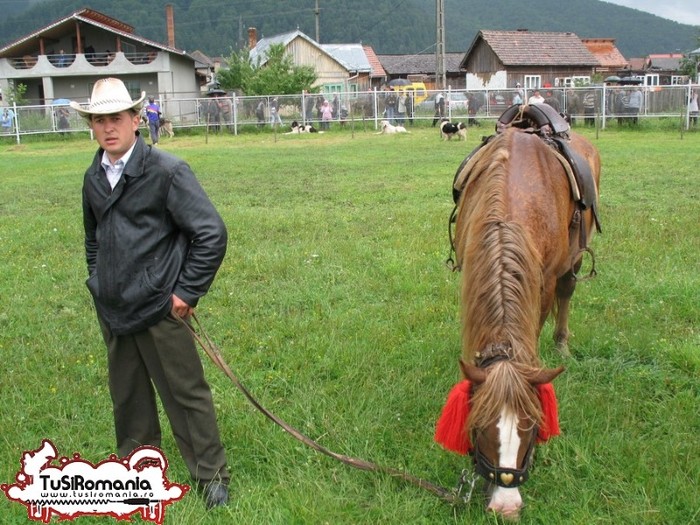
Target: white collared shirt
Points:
(114, 171)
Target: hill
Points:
(390, 26)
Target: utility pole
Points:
(440, 76)
(317, 12)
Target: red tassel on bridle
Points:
(550, 413)
(451, 428)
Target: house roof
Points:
(664, 62)
(352, 56)
(87, 16)
(636, 63)
(376, 65)
(606, 52)
(201, 58)
(424, 64)
(259, 52)
(532, 48)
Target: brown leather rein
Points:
(453, 496)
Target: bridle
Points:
(501, 476)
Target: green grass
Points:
(335, 308)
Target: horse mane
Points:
(501, 285)
(501, 269)
(506, 385)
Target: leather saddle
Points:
(553, 128)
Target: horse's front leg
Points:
(566, 284)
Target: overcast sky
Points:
(683, 11)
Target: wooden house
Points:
(664, 69)
(500, 59)
(378, 76)
(422, 67)
(339, 67)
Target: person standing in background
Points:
(439, 108)
(153, 115)
(693, 108)
(401, 108)
(7, 121)
(634, 104)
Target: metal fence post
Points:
(376, 109)
(604, 105)
(16, 117)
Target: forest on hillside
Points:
(217, 27)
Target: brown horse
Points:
(519, 254)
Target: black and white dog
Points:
(449, 130)
(299, 128)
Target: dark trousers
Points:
(439, 114)
(164, 356)
(154, 130)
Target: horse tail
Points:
(501, 268)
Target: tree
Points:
(17, 94)
(277, 76)
(239, 73)
(690, 65)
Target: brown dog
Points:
(166, 126)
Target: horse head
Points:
(505, 421)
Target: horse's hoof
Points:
(563, 349)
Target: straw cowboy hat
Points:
(109, 95)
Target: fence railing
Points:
(591, 105)
(64, 60)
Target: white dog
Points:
(388, 128)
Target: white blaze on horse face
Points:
(507, 501)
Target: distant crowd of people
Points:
(624, 102)
(315, 109)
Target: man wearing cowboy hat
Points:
(154, 243)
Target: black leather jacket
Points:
(156, 234)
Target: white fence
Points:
(237, 114)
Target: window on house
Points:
(651, 79)
(533, 81)
(134, 87)
(679, 80)
(581, 80)
(332, 88)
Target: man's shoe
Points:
(215, 494)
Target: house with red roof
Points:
(610, 60)
(500, 59)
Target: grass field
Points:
(336, 310)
